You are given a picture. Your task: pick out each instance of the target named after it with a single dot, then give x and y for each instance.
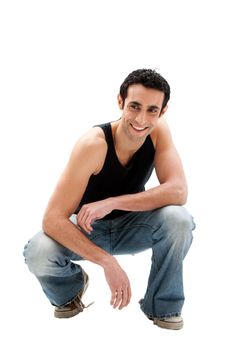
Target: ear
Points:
(120, 101)
(164, 110)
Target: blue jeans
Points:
(168, 231)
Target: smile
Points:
(137, 128)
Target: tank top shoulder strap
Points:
(107, 129)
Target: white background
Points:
(61, 65)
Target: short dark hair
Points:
(149, 78)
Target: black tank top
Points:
(114, 179)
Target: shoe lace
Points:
(79, 304)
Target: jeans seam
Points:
(140, 225)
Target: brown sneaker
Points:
(174, 323)
(75, 306)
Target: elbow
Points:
(181, 194)
(51, 223)
(48, 224)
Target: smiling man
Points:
(100, 209)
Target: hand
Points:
(119, 285)
(93, 211)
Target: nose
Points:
(141, 118)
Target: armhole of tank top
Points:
(107, 129)
(103, 128)
(152, 142)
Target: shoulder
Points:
(161, 136)
(92, 140)
(91, 148)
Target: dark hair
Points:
(148, 78)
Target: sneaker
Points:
(75, 306)
(174, 323)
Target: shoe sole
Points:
(66, 314)
(71, 313)
(169, 325)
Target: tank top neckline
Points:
(128, 166)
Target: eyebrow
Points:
(139, 104)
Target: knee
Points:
(178, 225)
(38, 252)
(177, 218)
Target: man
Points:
(100, 209)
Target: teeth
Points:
(139, 129)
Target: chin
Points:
(137, 137)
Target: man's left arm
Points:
(172, 188)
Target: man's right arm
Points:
(86, 159)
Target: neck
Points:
(122, 141)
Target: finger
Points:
(84, 221)
(129, 296)
(113, 297)
(126, 297)
(87, 226)
(79, 219)
(118, 298)
(80, 214)
(124, 300)
(129, 293)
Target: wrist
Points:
(111, 203)
(107, 261)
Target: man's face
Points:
(141, 111)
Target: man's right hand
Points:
(119, 285)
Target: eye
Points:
(153, 110)
(134, 107)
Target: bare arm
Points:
(172, 188)
(169, 169)
(65, 200)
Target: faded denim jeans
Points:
(167, 231)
